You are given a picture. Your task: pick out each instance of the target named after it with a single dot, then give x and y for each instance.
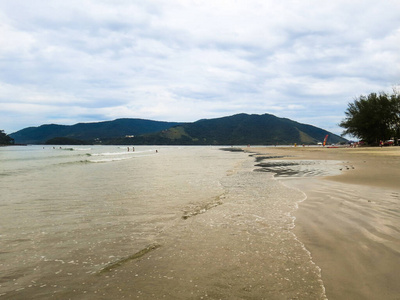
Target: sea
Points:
(149, 222)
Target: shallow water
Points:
(353, 234)
(183, 223)
(300, 168)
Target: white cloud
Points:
(183, 60)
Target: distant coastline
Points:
(13, 145)
(240, 129)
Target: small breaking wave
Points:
(75, 162)
(104, 160)
(112, 153)
(119, 153)
(104, 157)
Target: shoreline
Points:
(372, 166)
(214, 226)
(187, 223)
(349, 221)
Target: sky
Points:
(66, 62)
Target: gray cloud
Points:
(74, 61)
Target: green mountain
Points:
(240, 129)
(90, 132)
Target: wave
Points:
(112, 153)
(75, 162)
(40, 159)
(88, 161)
(107, 159)
(104, 157)
(74, 149)
(132, 153)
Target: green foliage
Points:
(266, 129)
(90, 131)
(373, 118)
(5, 139)
(241, 129)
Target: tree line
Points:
(5, 139)
(373, 118)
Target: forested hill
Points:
(90, 132)
(241, 129)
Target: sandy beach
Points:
(180, 223)
(350, 222)
(200, 223)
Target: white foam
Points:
(132, 153)
(107, 159)
(112, 153)
(303, 246)
(82, 149)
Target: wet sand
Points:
(350, 222)
(187, 223)
(212, 228)
(239, 247)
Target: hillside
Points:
(240, 129)
(90, 132)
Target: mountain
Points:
(90, 132)
(240, 129)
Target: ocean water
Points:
(102, 222)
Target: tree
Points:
(5, 139)
(373, 118)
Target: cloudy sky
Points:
(74, 61)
